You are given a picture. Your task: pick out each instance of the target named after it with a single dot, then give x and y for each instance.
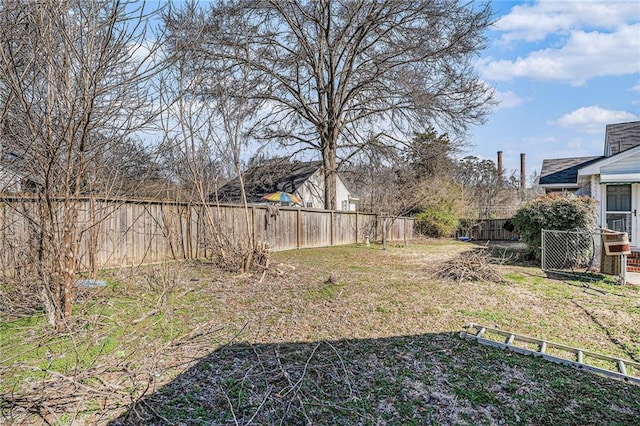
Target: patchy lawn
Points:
(343, 335)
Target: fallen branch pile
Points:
(476, 265)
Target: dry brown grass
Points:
(357, 335)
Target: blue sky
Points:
(562, 70)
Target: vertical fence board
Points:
(489, 229)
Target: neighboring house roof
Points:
(564, 171)
(621, 137)
(620, 140)
(274, 175)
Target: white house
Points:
(612, 179)
(311, 191)
(304, 179)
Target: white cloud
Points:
(534, 22)
(592, 119)
(575, 144)
(584, 56)
(509, 99)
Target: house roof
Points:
(274, 175)
(564, 171)
(621, 137)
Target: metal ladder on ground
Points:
(479, 333)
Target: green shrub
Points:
(436, 221)
(553, 211)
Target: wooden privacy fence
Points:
(486, 229)
(116, 233)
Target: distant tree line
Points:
(428, 177)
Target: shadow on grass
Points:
(424, 379)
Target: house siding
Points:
(312, 191)
(342, 197)
(630, 164)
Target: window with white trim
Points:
(618, 208)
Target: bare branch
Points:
(333, 70)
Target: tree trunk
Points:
(330, 178)
(329, 154)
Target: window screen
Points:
(619, 198)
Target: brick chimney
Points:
(500, 177)
(523, 173)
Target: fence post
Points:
(384, 233)
(332, 228)
(542, 250)
(299, 228)
(93, 238)
(187, 233)
(356, 227)
(404, 231)
(253, 226)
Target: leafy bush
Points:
(437, 221)
(553, 211)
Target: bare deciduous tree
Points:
(209, 115)
(73, 84)
(337, 73)
(479, 186)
